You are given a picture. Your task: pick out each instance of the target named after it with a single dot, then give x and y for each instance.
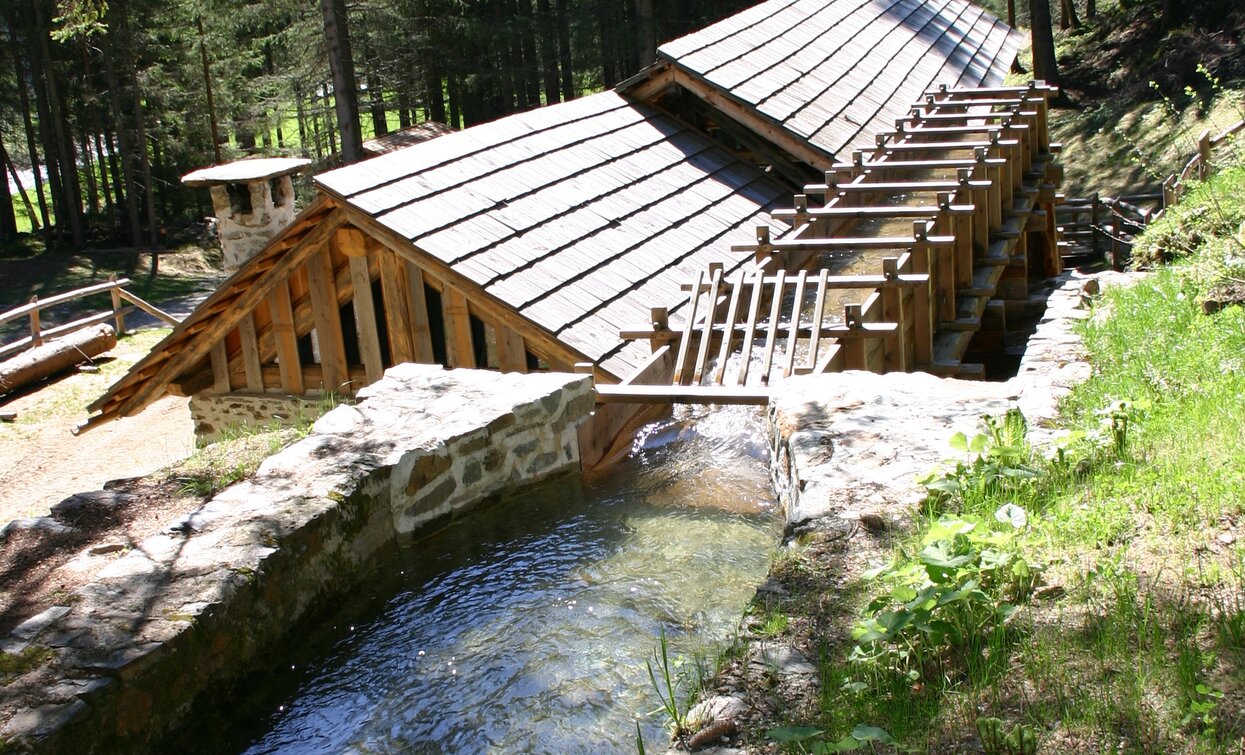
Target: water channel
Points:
(525, 627)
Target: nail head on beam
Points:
(851, 314)
(660, 318)
(890, 268)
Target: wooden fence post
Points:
(36, 330)
(1095, 206)
(117, 314)
(1203, 153)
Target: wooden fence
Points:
(34, 308)
(1101, 227)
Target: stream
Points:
(525, 627)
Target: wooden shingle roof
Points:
(580, 216)
(834, 72)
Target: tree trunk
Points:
(123, 147)
(21, 191)
(1091, 10)
(1067, 15)
(434, 96)
(104, 184)
(376, 104)
(1044, 66)
(606, 34)
(55, 356)
(23, 99)
(213, 125)
(71, 189)
(548, 51)
(8, 219)
(531, 60)
(345, 91)
(647, 32)
(1011, 13)
(564, 51)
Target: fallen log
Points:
(55, 356)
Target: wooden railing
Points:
(34, 308)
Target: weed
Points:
(668, 682)
(13, 665)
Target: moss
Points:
(13, 665)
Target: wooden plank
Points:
(394, 291)
(819, 310)
(732, 315)
(711, 314)
(754, 310)
(793, 328)
(457, 315)
(511, 355)
(676, 394)
(772, 337)
(365, 315)
(250, 354)
(286, 338)
(689, 330)
(38, 304)
(421, 333)
(893, 310)
(328, 324)
(220, 368)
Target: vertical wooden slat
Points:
(220, 368)
(511, 351)
(36, 329)
(754, 310)
(250, 354)
(794, 329)
(689, 331)
(728, 334)
(457, 328)
(819, 310)
(117, 315)
(322, 289)
(853, 348)
(711, 316)
(397, 314)
(421, 334)
(922, 314)
(286, 339)
(365, 318)
(774, 312)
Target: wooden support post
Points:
(286, 338)
(893, 311)
(689, 331)
(118, 315)
(220, 368)
(250, 354)
(659, 320)
(457, 315)
(754, 311)
(421, 333)
(1169, 192)
(365, 316)
(728, 332)
(794, 326)
(771, 338)
(1094, 233)
(922, 313)
(819, 309)
(395, 292)
(711, 310)
(511, 350)
(853, 348)
(322, 289)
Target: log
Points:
(55, 356)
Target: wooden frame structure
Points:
(976, 238)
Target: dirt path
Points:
(42, 462)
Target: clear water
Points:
(525, 628)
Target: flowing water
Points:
(526, 626)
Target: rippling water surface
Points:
(525, 627)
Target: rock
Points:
(106, 548)
(1227, 538)
(782, 659)
(42, 524)
(716, 708)
(73, 507)
(874, 522)
(31, 628)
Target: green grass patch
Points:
(1088, 596)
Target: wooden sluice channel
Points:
(904, 258)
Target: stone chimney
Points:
(253, 199)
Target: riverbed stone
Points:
(190, 608)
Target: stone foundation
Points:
(122, 662)
(215, 416)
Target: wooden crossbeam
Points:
(872, 187)
(899, 165)
(860, 330)
(833, 283)
(876, 213)
(691, 394)
(997, 115)
(887, 147)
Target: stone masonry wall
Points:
(214, 415)
(243, 234)
(124, 658)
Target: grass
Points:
(1136, 641)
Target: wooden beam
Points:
(678, 394)
(457, 328)
(689, 328)
(322, 289)
(421, 333)
(365, 315)
(754, 310)
(793, 330)
(286, 338)
(250, 354)
(220, 368)
(395, 292)
(771, 338)
(511, 354)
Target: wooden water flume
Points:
(955, 206)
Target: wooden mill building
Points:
(544, 239)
